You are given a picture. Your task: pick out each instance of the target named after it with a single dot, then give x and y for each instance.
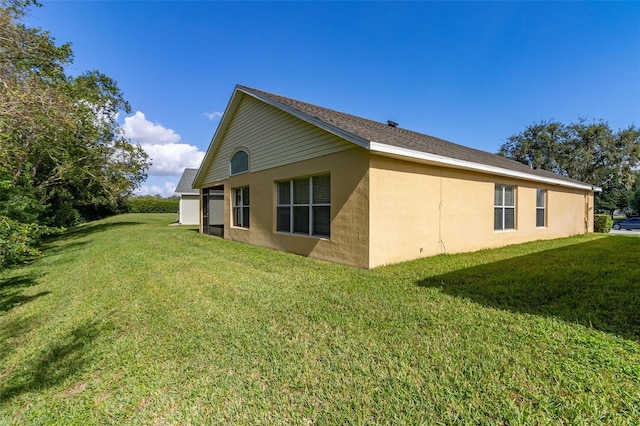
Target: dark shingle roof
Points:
(382, 133)
(185, 186)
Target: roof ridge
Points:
(275, 97)
(406, 139)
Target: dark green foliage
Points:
(63, 159)
(634, 197)
(635, 201)
(19, 241)
(602, 223)
(616, 197)
(149, 204)
(18, 203)
(589, 152)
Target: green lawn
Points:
(131, 321)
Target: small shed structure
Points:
(189, 207)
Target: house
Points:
(293, 176)
(189, 207)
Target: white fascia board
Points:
(311, 120)
(412, 155)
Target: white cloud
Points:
(143, 131)
(172, 159)
(168, 156)
(214, 115)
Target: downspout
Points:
(586, 212)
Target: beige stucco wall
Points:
(349, 242)
(418, 210)
(396, 210)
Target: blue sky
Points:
(472, 73)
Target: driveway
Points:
(633, 232)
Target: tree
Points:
(615, 197)
(63, 157)
(634, 197)
(62, 154)
(589, 152)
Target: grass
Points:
(131, 321)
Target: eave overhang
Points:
(375, 147)
(442, 161)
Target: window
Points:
(504, 211)
(541, 206)
(239, 163)
(241, 207)
(304, 206)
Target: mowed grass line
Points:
(131, 321)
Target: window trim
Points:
(233, 154)
(310, 205)
(504, 207)
(543, 207)
(235, 206)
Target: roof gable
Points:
(395, 142)
(271, 136)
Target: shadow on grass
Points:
(51, 249)
(56, 362)
(596, 284)
(67, 241)
(12, 291)
(12, 330)
(90, 228)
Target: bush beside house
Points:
(602, 223)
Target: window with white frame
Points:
(304, 206)
(239, 163)
(504, 207)
(541, 207)
(241, 207)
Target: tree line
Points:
(587, 151)
(63, 157)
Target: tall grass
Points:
(131, 321)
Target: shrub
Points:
(19, 241)
(152, 205)
(602, 223)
